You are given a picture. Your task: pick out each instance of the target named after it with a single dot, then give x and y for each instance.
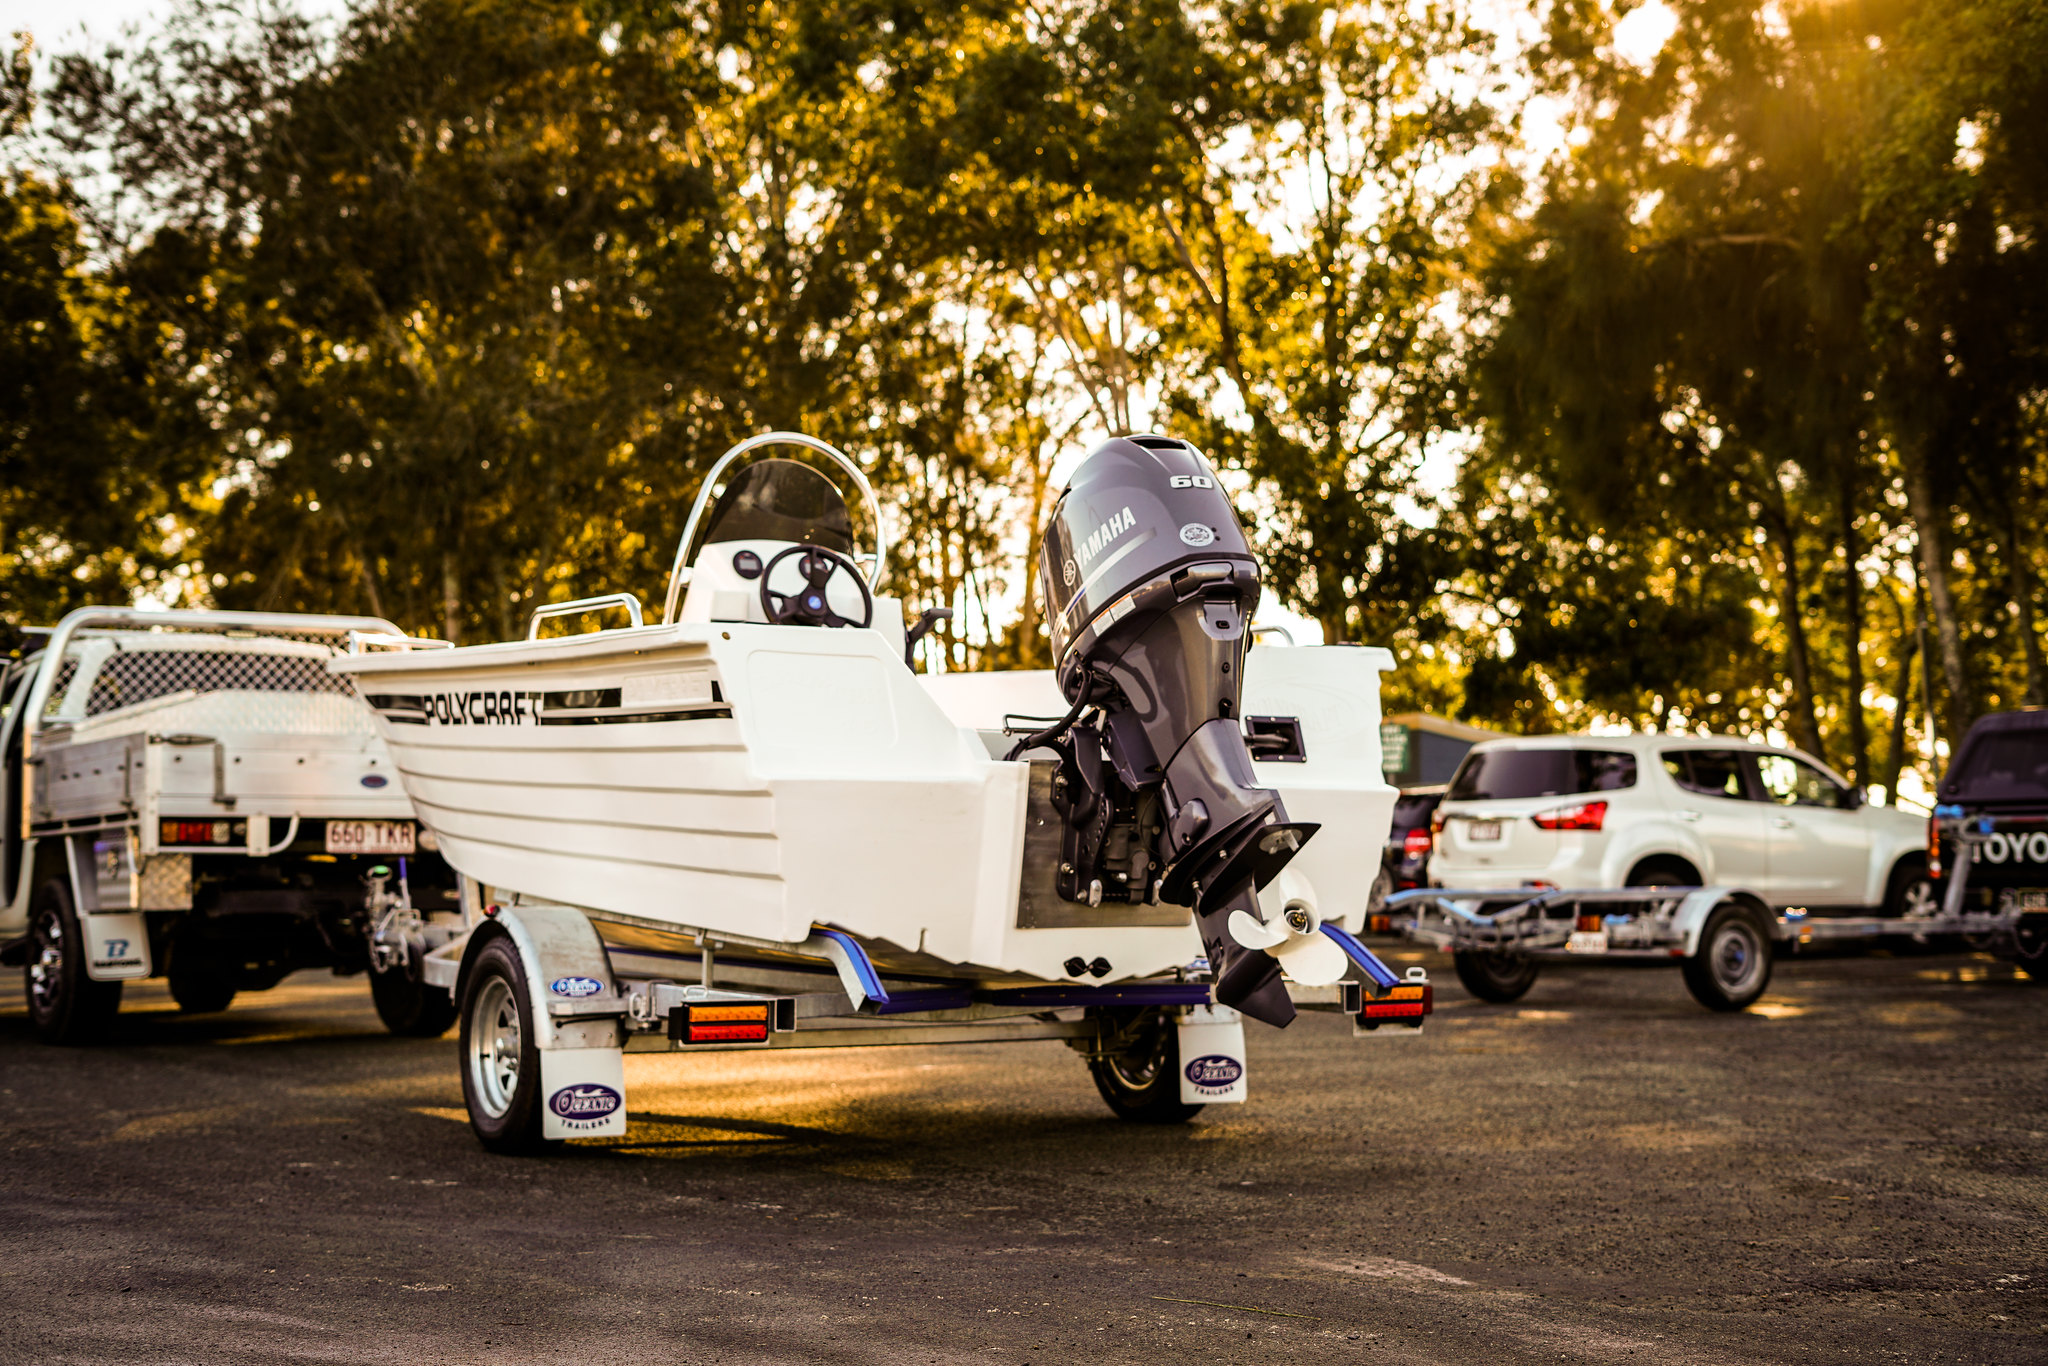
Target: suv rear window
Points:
(2006, 765)
(1715, 772)
(1505, 774)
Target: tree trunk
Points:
(1928, 522)
(1805, 723)
(1902, 695)
(1852, 551)
(451, 600)
(2023, 600)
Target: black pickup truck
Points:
(1987, 842)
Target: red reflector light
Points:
(1584, 816)
(193, 832)
(1405, 1002)
(756, 1032)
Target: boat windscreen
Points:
(782, 500)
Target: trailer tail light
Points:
(724, 1023)
(1416, 843)
(1405, 1004)
(1588, 924)
(1934, 847)
(1584, 816)
(1379, 924)
(195, 832)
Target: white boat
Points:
(721, 773)
(759, 792)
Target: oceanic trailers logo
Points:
(585, 1107)
(1214, 1073)
(1099, 539)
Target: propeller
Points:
(1293, 937)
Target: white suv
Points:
(1660, 810)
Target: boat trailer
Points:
(1723, 938)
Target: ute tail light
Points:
(1584, 816)
(199, 832)
(1416, 843)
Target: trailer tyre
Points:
(1496, 977)
(65, 1006)
(2030, 948)
(1732, 965)
(1141, 1078)
(409, 1007)
(500, 1060)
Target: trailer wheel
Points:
(500, 1061)
(1140, 1078)
(2030, 948)
(409, 1007)
(64, 1004)
(1495, 977)
(201, 993)
(1732, 965)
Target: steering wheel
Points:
(809, 605)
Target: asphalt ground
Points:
(1851, 1171)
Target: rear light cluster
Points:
(744, 1023)
(1584, 816)
(199, 832)
(1405, 1004)
(1416, 843)
(1933, 847)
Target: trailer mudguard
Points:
(582, 1067)
(1691, 917)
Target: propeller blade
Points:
(1312, 960)
(1254, 933)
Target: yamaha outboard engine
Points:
(1150, 588)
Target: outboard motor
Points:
(1150, 588)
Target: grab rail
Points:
(579, 606)
(360, 642)
(679, 572)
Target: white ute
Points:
(751, 825)
(194, 795)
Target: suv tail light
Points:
(1436, 822)
(1416, 843)
(1584, 816)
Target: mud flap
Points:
(116, 946)
(1212, 1063)
(583, 1093)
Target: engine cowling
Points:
(1150, 587)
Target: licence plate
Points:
(1479, 831)
(2031, 901)
(1587, 941)
(369, 837)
